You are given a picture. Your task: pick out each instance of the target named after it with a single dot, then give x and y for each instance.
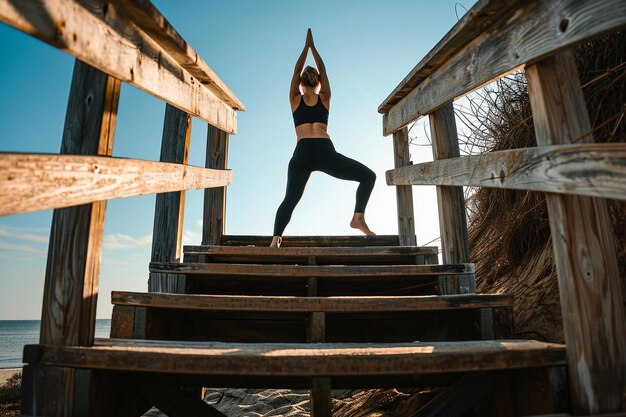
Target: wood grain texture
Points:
(321, 397)
(404, 194)
(31, 182)
(169, 211)
(311, 241)
(214, 217)
(450, 203)
(595, 170)
(310, 304)
(527, 32)
(73, 266)
(318, 359)
(96, 33)
(150, 20)
(305, 271)
(584, 248)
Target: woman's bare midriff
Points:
(312, 130)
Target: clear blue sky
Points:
(368, 47)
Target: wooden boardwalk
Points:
(321, 312)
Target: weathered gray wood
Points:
(149, 19)
(321, 398)
(96, 33)
(333, 304)
(504, 46)
(304, 271)
(169, 210)
(318, 359)
(595, 170)
(310, 241)
(316, 327)
(214, 218)
(72, 271)
(31, 182)
(75, 246)
(451, 203)
(404, 194)
(584, 249)
(458, 398)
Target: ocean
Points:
(14, 334)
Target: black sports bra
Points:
(310, 114)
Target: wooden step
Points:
(298, 360)
(310, 304)
(305, 271)
(313, 255)
(308, 241)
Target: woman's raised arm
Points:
(294, 89)
(324, 83)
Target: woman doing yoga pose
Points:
(314, 150)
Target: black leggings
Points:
(319, 154)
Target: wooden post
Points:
(170, 207)
(404, 193)
(214, 220)
(74, 253)
(584, 249)
(451, 202)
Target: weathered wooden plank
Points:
(30, 182)
(312, 241)
(73, 267)
(318, 359)
(319, 271)
(451, 203)
(150, 20)
(297, 255)
(332, 304)
(96, 33)
(482, 16)
(528, 32)
(595, 170)
(123, 322)
(214, 216)
(321, 397)
(404, 194)
(584, 249)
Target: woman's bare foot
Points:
(276, 242)
(358, 222)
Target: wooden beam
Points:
(304, 271)
(595, 170)
(31, 182)
(169, 210)
(75, 246)
(317, 359)
(503, 47)
(150, 20)
(333, 304)
(97, 33)
(404, 194)
(451, 204)
(214, 218)
(321, 397)
(310, 241)
(584, 249)
(72, 272)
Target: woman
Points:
(314, 150)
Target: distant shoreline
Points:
(6, 373)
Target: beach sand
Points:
(8, 373)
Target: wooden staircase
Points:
(317, 317)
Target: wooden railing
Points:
(494, 38)
(114, 41)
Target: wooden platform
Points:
(308, 241)
(298, 360)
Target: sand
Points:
(8, 373)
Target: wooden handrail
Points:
(482, 48)
(31, 182)
(596, 170)
(97, 34)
